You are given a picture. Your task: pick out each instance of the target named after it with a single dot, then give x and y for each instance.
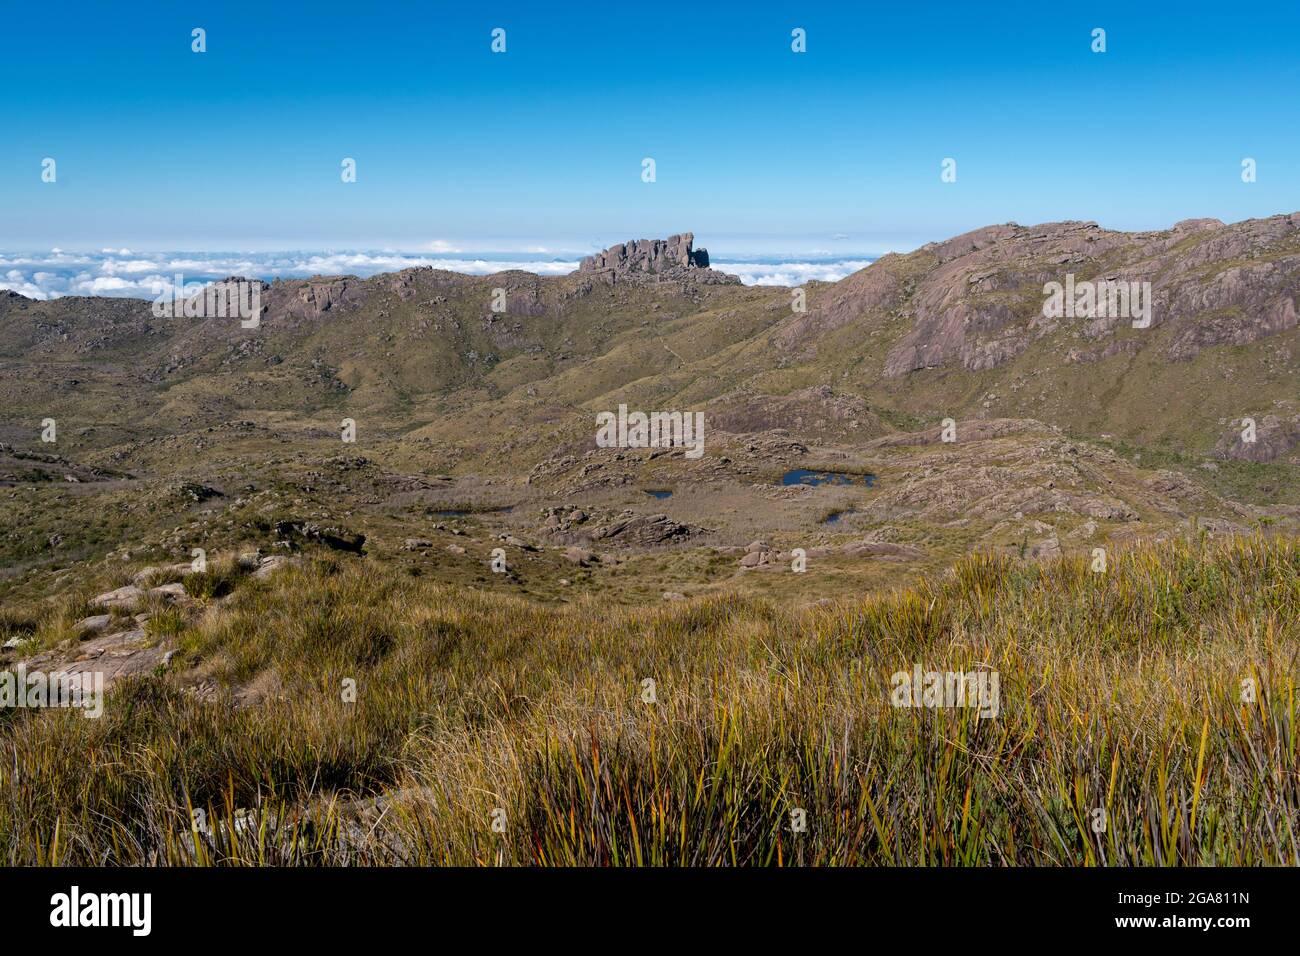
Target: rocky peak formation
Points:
(975, 301)
(672, 258)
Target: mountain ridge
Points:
(483, 391)
(920, 322)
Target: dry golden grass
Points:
(1120, 692)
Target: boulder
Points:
(143, 575)
(643, 531)
(123, 597)
(93, 624)
(270, 564)
(118, 655)
(170, 592)
(579, 556)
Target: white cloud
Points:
(110, 285)
(791, 273)
(15, 281)
(440, 245)
(114, 266)
(53, 274)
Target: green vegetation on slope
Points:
(1161, 692)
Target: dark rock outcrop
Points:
(294, 533)
(672, 258)
(640, 531)
(578, 529)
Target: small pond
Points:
(806, 476)
(659, 493)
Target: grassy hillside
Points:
(1120, 692)
(952, 329)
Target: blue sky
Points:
(757, 149)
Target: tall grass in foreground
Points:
(1126, 700)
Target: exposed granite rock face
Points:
(321, 295)
(1274, 438)
(123, 597)
(114, 656)
(640, 531)
(869, 290)
(672, 258)
(976, 300)
(649, 255)
(578, 529)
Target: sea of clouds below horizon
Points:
(127, 273)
